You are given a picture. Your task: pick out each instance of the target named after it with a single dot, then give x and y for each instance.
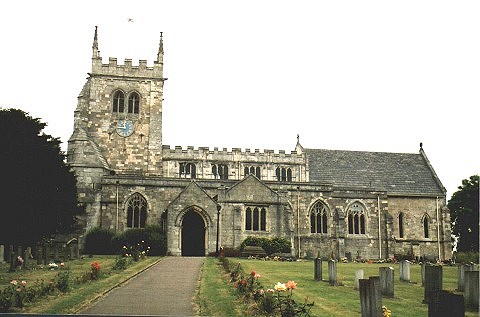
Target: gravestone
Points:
(318, 269)
(471, 289)
(387, 280)
(424, 264)
(433, 281)
(446, 304)
(12, 258)
(332, 272)
(358, 276)
(370, 297)
(39, 255)
(2, 253)
(462, 268)
(405, 271)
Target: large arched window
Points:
(356, 219)
(400, 225)
(425, 221)
(118, 102)
(318, 218)
(136, 211)
(133, 103)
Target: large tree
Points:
(38, 195)
(464, 214)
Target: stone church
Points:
(368, 204)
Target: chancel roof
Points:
(396, 173)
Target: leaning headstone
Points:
(358, 276)
(332, 272)
(387, 280)
(2, 253)
(446, 304)
(370, 297)
(318, 269)
(462, 268)
(405, 271)
(433, 281)
(471, 289)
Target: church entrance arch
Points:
(193, 234)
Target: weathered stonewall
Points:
(371, 297)
(433, 281)
(405, 271)
(446, 304)
(358, 276)
(471, 289)
(318, 269)
(387, 280)
(332, 272)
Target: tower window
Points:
(283, 174)
(220, 171)
(254, 170)
(187, 170)
(133, 103)
(118, 101)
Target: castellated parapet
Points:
(127, 69)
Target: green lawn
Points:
(344, 300)
(80, 294)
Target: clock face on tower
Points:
(124, 127)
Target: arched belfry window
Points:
(283, 174)
(400, 224)
(136, 211)
(133, 103)
(118, 102)
(318, 218)
(425, 222)
(356, 219)
(254, 170)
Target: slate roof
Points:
(396, 173)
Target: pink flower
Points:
(291, 285)
(243, 282)
(261, 292)
(62, 264)
(270, 290)
(257, 275)
(24, 283)
(14, 282)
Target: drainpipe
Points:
(379, 231)
(298, 219)
(438, 230)
(116, 221)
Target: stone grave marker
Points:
(471, 289)
(405, 271)
(433, 281)
(370, 297)
(462, 268)
(446, 304)
(332, 272)
(318, 269)
(358, 276)
(387, 281)
(2, 253)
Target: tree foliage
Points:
(464, 214)
(38, 196)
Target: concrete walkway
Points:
(165, 289)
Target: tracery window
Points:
(254, 170)
(220, 171)
(187, 170)
(136, 211)
(256, 218)
(133, 102)
(356, 219)
(318, 218)
(283, 174)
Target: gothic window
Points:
(133, 103)
(220, 171)
(118, 102)
(356, 219)
(256, 219)
(400, 225)
(187, 170)
(318, 218)
(254, 170)
(136, 211)
(283, 174)
(425, 227)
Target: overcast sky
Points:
(349, 75)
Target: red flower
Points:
(243, 282)
(253, 273)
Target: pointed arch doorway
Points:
(193, 234)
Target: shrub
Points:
(274, 245)
(62, 281)
(466, 257)
(99, 241)
(152, 236)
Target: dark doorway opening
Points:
(193, 234)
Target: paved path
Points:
(165, 289)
